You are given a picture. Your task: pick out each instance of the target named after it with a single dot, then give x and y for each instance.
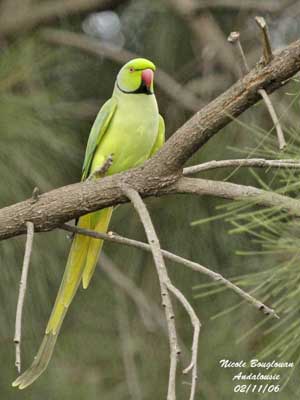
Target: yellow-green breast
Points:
(131, 133)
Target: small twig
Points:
(267, 49)
(100, 172)
(164, 280)
(242, 162)
(35, 194)
(234, 38)
(273, 115)
(22, 291)
(268, 56)
(196, 325)
(113, 237)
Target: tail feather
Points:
(80, 265)
(67, 290)
(101, 221)
(39, 364)
(71, 278)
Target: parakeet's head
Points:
(136, 76)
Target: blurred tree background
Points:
(50, 92)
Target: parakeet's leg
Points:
(101, 171)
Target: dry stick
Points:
(164, 280)
(196, 325)
(115, 238)
(242, 162)
(267, 49)
(268, 57)
(22, 291)
(280, 135)
(234, 38)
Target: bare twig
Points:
(233, 191)
(22, 291)
(242, 162)
(273, 115)
(234, 38)
(196, 325)
(268, 56)
(164, 280)
(169, 85)
(35, 194)
(267, 49)
(113, 237)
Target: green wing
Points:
(160, 139)
(98, 130)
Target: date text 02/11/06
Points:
(251, 388)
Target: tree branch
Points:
(115, 238)
(241, 162)
(268, 56)
(233, 191)
(196, 325)
(158, 175)
(164, 281)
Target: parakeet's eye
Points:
(131, 69)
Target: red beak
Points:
(147, 77)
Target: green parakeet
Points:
(128, 130)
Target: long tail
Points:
(80, 265)
(100, 221)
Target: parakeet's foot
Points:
(100, 172)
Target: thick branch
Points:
(159, 174)
(233, 191)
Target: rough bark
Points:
(158, 175)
